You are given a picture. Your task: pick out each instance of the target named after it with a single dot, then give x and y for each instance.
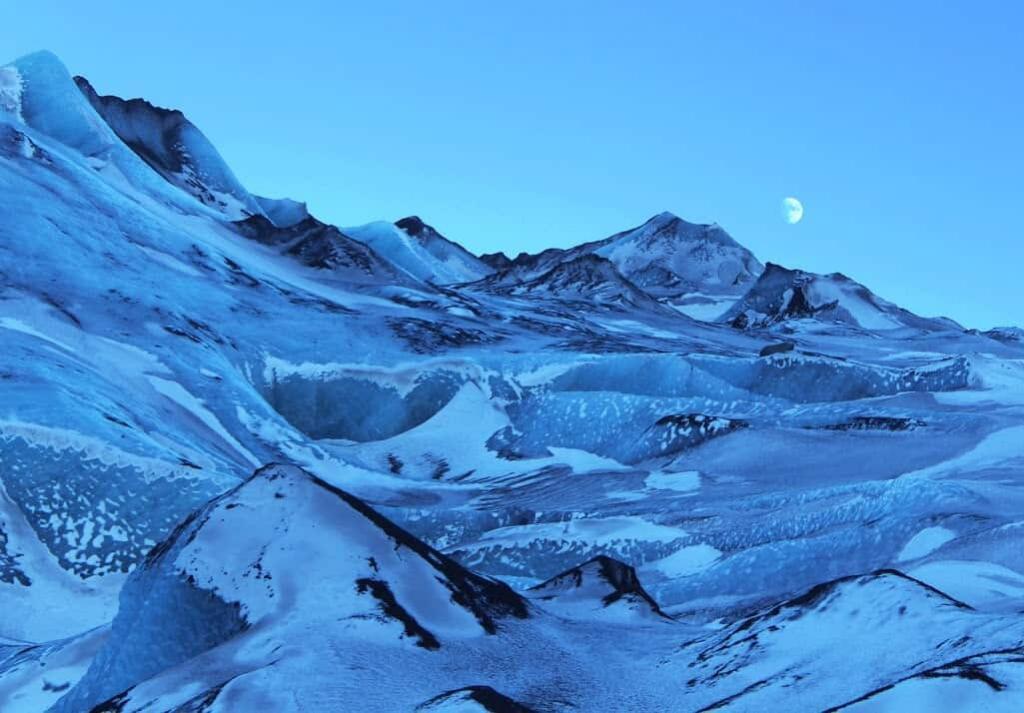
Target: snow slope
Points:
(698, 268)
(421, 251)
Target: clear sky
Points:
(519, 126)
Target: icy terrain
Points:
(253, 461)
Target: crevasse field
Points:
(250, 461)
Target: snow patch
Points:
(925, 542)
(684, 481)
(11, 86)
(686, 561)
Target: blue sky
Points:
(519, 126)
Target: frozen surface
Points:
(518, 476)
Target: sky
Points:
(521, 126)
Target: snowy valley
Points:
(253, 461)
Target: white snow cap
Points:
(10, 91)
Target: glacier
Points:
(250, 460)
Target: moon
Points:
(792, 210)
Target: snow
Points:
(153, 356)
(595, 531)
(418, 260)
(684, 482)
(176, 393)
(686, 561)
(10, 91)
(999, 449)
(980, 584)
(924, 543)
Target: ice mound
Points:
(232, 567)
(51, 104)
(421, 251)
(457, 262)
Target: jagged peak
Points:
(603, 579)
(86, 87)
(413, 225)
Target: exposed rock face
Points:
(177, 150)
(602, 580)
(324, 247)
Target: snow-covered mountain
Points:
(227, 584)
(588, 278)
(699, 269)
(421, 251)
(324, 247)
(501, 479)
(600, 588)
(172, 145)
(782, 295)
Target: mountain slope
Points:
(229, 572)
(588, 278)
(421, 251)
(154, 353)
(324, 247)
(672, 258)
(699, 269)
(174, 148)
(781, 295)
(600, 588)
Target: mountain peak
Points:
(782, 294)
(175, 148)
(599, 582)
(413, 225)
(419, 249)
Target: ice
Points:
(685, 482)
(415, 258)
(176, 149)
(760, 482)
(10, 91)
(283, 211)
(686, 561)
(980, 584)
(924, 543)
